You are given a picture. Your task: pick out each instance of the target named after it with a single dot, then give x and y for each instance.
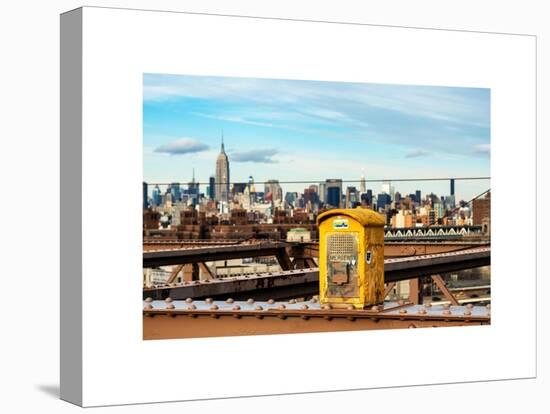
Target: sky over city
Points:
(310, 130)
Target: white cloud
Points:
(182, 146)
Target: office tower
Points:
(193, 190)
(363, 182)
(157, 196)
(333, 192)
(388, 189)
(273, 187)
(145, 201)
(222, 176)
(418, 197)
(175, 190)
(383, 200)
(352, 197)
(212, 187)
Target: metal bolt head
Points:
(281, 306)
(209, 300)
(148, 300)
(188, 300)
(148, 306)
(402, 310)
(271, 301)
(428, 305)
(230, 300)
(467, 312)
(469, 306)
(400, 302)
(313, 300)
(170, 306)
(375, 308)
(304, 307)
(292, 301)
(236, 307)
(327, 307)
(447, 312)
(214, 307)
(250, 301)
(191, 307)
(350, 307)
(258, 307)
(168, 299)
(422, 311)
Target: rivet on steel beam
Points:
(191, 307)
(412, 326)
(313, 300)
(400, 302)
(402, 310)
(422, 311)
(281, 306)
(214, 307)
(488, 306)
(327, 307)
(250, 301)
(188, 300)
(292, 301)
(236, 307)
(446, 306)
(271, 301)
(148, 306)
(469, 306)
(447, 312)
(209, 300)
(350, 307)
(428, 305)
(258, 307)
(375, 308)
(230, 300)
(168, 299)
(304, 307)
(467, 312)
(148, 300)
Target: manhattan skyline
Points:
(310, 131)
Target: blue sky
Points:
(309, 130)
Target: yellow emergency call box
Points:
(351, 257)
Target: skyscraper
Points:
(222, 176)
(193, 190)
(212, 187)
(145, 202)
(157, 196)
(333, 192)
(363, 182)
(175, 190)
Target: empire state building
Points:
(222, 176)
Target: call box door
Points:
(342, 265)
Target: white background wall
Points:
(29, 158)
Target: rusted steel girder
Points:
(154, 258)
(192, 319)
(306, 281)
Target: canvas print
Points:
(279, 206)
